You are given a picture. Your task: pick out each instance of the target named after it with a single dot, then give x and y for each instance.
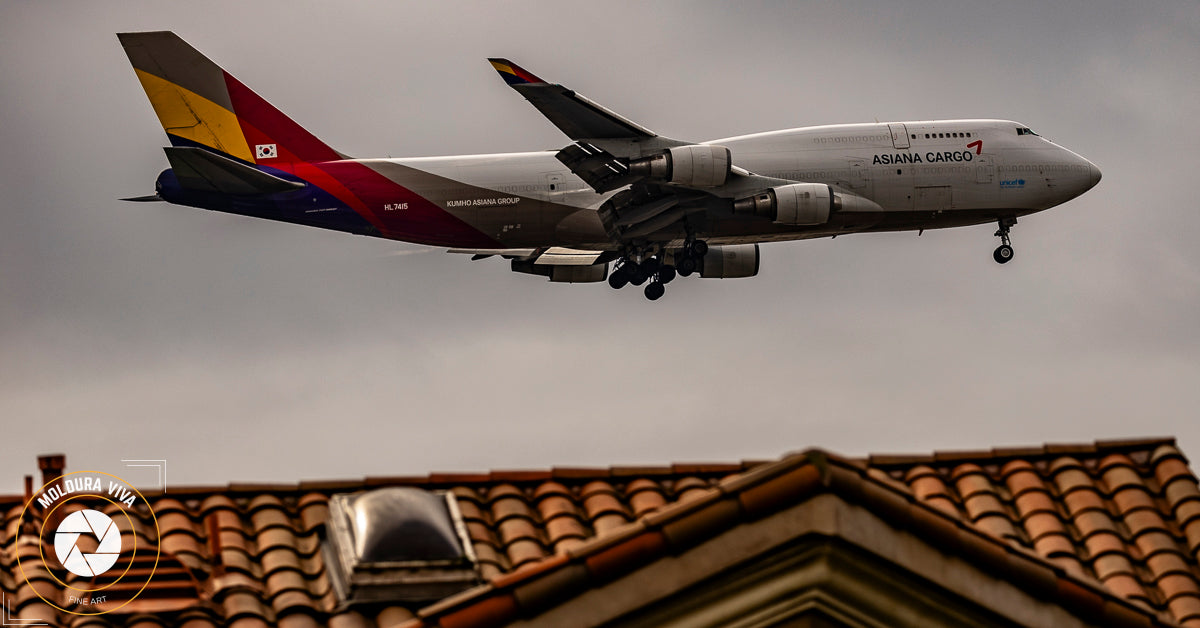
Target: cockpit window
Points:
(1025, 131)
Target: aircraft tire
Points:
(655, 290)
(618, 280)
(638, 277)
(699, 248)
(686, 266)
(666, 274)
(1003, 254)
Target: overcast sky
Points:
(245, 350)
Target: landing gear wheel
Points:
(650, 265)
(666, 274)
(699, 248)
(686, 266)
(618, 279)
(1004, 253)
(655, 290)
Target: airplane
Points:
(618, 194)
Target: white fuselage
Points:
(925, 174)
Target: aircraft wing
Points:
(604, 139)
(668, 180)
(578, 117)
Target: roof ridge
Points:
(1002, 454)
(447, 479)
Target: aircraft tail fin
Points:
(201, 105)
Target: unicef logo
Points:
(99, 526)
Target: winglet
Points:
(514, 74)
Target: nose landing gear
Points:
(1004, 253)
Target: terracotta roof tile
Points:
(1132, 498)
(550, 488)
(1035, 502)
(1108, 565)
(524, 551)
(1040, 524)
(606, 523)
(598, 504)
(1153, 542)
(1165, 563)
(1105, 543)
(689, 488)
(647, 500)
(1174, 585)
(1187, 609)
(510, 506)
(517, 528)
(471, 510)
(1126, 586)
(564, 527)
(557, 505)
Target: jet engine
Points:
(701, 166)
(797, 204)
(730, 261)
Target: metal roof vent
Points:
(397, 544)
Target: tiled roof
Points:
(1126, 513)
(250, 552)
(1124, 516)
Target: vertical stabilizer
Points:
(201, 105)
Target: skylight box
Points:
(399, 545)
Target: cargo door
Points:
(985, 170)
(899, 135)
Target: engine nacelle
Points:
(731, 261)
(701, 166)
(562, 273)
(797, 204)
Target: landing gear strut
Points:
(1004, 253)
(688, 260)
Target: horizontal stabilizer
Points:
(203, 171)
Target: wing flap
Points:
(562, 256)
(550, 256)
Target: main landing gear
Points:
(1004, 252)
(630, 270)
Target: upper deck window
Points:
(1025, 131)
